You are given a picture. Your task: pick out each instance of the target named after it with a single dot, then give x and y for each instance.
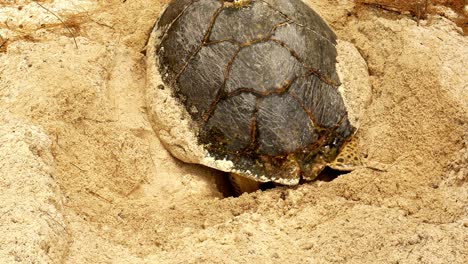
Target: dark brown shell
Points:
(258, 81)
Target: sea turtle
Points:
(249, 87)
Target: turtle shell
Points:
(258, 83)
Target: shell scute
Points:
(316, 52)
(184, 37)
(229, 128)
(245, 25)
(283, 126)
(207, 69)
(263, 67)
(174, 10)
(319, 98)
(303, 15)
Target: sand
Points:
(84, 179)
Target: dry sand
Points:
(84, 179)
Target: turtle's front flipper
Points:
(243, 184)
(348, 157)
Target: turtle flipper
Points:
(242, 184)
(348, 157)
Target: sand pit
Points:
(84, 179)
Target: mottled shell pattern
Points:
(258, 80)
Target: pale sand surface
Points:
(84, 179)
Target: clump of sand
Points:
(84, 179)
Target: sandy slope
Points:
(83, 179)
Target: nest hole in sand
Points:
(226, 188)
